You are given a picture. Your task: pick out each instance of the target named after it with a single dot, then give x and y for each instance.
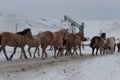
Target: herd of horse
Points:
(63, 43)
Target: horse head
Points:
(81, 34)
(27, 33)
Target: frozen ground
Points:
(85, 67)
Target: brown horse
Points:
(35, 43)
(118, 47)
(46, 39)
(53, 39)
(73, 41)
(60, 40)
(96, 43)
(15, 40)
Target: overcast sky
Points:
(79, 9)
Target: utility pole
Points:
(100, 31)
(16, 28)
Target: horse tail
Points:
(0, 39)
(92, 42)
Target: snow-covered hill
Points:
(110, 27)
(92, 27)
(9, 22)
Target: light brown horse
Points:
(73, 41)
(15, 40)
(46, 39)
(110, 45)
(53, 39)
(35, 43)
(59, 37)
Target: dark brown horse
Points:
(74, 41)
(96, 43)
(118, 47)
(15, 40)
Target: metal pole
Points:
(16, 28)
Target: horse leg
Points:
(46, 54)
(101, 51)
(29, 51)
(71, 53)
(97, 50)
(1, 49)
(25, 56)
(51, 48)
(60, 51)
(93, 48)
(38, 51)
(35, 51)
(55, 49)
(4, 51)
(80, 51)
(13, 53)
(21, 55)
(75, 50)
(43, 53)
(67, 50)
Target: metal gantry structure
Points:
(71, 24)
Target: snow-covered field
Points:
(85, 67)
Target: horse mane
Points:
(103, 35)
(24, 31)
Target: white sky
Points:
(80, 9)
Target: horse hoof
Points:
(26, 57)
(21, 58)
(55, 57)
(43, 58)
(81, 55)
(9, 59)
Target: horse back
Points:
(33, 43)
(46, 38)
(94, 41)
(12, 39)
(110, 41)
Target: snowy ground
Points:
(87, 67)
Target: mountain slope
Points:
(92, 27)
